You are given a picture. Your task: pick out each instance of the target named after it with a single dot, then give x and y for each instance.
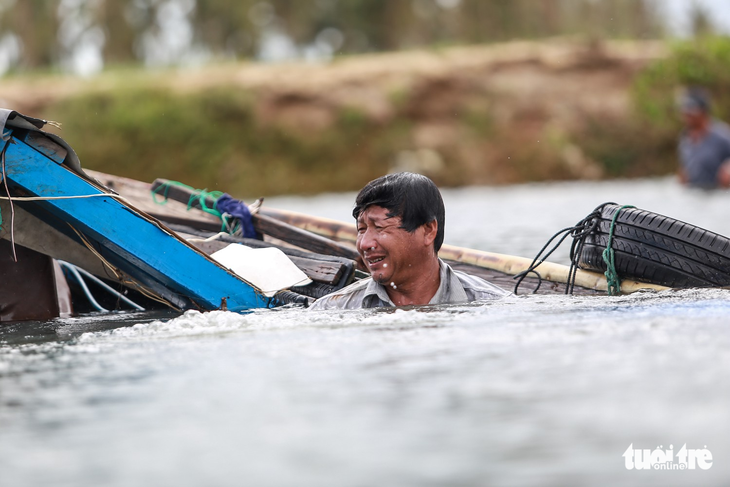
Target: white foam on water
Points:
(533, 311)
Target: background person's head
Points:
(694, 107)
(412, 197)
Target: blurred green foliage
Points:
(212, 139)
(628, 148)
(704, 61)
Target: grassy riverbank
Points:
(472, 115)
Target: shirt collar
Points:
(450, 290)
(376, 291)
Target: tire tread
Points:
(655, 248)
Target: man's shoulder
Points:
(357, 286)
(479, 288)
(721, 130)
(345, 297)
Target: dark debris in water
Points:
(65, 329)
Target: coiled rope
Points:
(578, 232)
(201, 198)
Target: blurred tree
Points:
(50, 30)
(35, 23)
(121, 28)
(701, 21)
(230, 27)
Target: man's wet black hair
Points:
(412, 197)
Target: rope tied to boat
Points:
(234, 214)
(199, 196)
(579, 232)
(612, 278)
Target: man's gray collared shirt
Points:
(702, 159)
(455, 287)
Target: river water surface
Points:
(530, 390)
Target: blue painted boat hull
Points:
(126, 238)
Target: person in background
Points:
(400, 228)
(704, 144)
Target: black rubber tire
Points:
(654, 248)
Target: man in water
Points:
(704, 146)
(400, 229)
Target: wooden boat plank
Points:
(140, 195)
(302, 238)
(28, 286)
(44, 145)
(267, 226)
(528, 285)
(35, 234)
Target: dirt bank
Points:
(468, 115)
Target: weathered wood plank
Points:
(45, 146)
(301, 238)
(139, 194)
(267, 225)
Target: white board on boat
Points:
(268, 269)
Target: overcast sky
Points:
(678, 14)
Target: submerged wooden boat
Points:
(74, 241)
(53, 209)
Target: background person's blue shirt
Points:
(701, 160)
